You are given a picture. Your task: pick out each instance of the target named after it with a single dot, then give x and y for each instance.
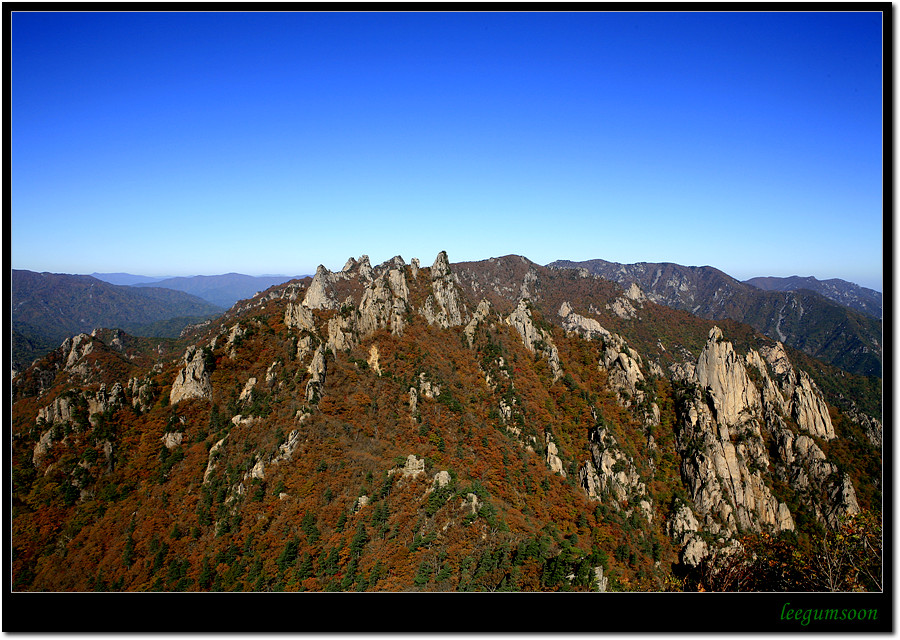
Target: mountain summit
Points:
(827, 328)
(478, 426)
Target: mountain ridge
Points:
(805, 319)
(491, 425)
(47, 308)
(849, 294)
(222, 290)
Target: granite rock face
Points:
(724, 456)
(610, 476)
(444, 307)
(737, 429)
(535, 339)
(192, 380)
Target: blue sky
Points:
(205, 143)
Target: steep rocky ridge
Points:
(850, 295)
(46, 308)
(803, 319)
(487, 426)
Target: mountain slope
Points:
(46, 308)
(483, 426)
(861, 299)
(127, 279)
(803, 319)
(222, 290)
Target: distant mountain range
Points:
(127, 279)
(47, 308)
(222, 290)
(489, 426)
(825, 328)
(850, 295)
(836, 321)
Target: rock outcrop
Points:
(299, 316)
(444, 307)
(535, 339)
(723, 453)
(193, 379)
(316, 370)
(385, 302)
(610, 476)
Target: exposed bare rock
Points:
(304, 346)
(441, 479)
(287, 448)
(316, 371)
(258, 471)
(385, 301)
(247, 390)
(808, 408)
(173, 439)
(609, 476)
(725, 480)
(77, 347)
(142, 393)
(213, 457)
(192, 380)
(872, 427)
(799, 395)
(723, 452)
(428, 388)
(552, 457)
(685, 532)
(318, 295)
(413, 468)
(373, 359)
(59, 411)
(623, 308)
(444, 306)
(600, 581)
(413, 403)
(362, 266)
(801, 463)
(471, 504)
(341, 333)
(635, 294)
(535, 339)
(299, 316)
(721, 373)
(44, 444)
(482, 312)
(584, 326)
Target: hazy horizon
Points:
(423, 263)
(192, 143)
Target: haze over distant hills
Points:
(477, 426)
(830, 330)
(851, 295)
(47, 308)
(221, 290)
(126, 279)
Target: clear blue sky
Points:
(204, 143)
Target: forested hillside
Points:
(482, 426)
(47, 308)
(840, 329)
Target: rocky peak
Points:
(444, 306)
(193, 379)
(318, 295)
(535, 339)
(441, 266)
(720, 371)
